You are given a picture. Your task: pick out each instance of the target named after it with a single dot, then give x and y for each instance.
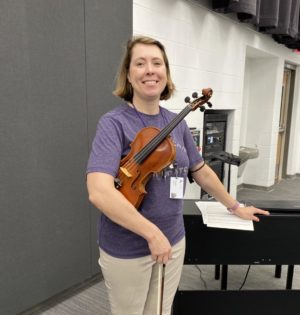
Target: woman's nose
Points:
(149, 68)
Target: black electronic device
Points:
(274, 241)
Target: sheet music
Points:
(216, 215)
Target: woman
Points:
(134, 242)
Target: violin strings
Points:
(140, 156)
(154, 143)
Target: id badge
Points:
(176, 188)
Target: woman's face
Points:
(147, 73)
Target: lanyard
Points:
(143, 121)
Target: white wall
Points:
(207, 49)
(262, 106)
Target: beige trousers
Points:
(132, 284)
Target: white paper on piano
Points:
(216, 215)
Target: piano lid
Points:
(282, 207)
(276, 204)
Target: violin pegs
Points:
(202, 108)
(195, 95)
(209, 104)
(187, 99)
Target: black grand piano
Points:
(275, 241)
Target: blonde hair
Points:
(123, 87)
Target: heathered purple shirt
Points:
(115, 131)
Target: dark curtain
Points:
(279, 18)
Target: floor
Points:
(286, 190)
(93, 299)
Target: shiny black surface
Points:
(275, 239)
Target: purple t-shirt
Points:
(115, 131)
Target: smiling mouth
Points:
(150, 82)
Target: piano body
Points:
(275, 241)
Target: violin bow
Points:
(160, 293)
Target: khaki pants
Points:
(132, 284)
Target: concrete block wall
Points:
(207, 49)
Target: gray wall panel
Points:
(48, 100)
(43, 138)
(104, 50)
(108, 27)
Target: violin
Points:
(151, 151)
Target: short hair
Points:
(123, 87)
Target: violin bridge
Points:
(124, 170)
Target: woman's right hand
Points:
(160, 247)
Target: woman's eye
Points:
(157, 63)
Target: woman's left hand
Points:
(248, 213)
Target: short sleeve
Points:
(107, 147)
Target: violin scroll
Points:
(200, 101)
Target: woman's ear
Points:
(128, 78)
